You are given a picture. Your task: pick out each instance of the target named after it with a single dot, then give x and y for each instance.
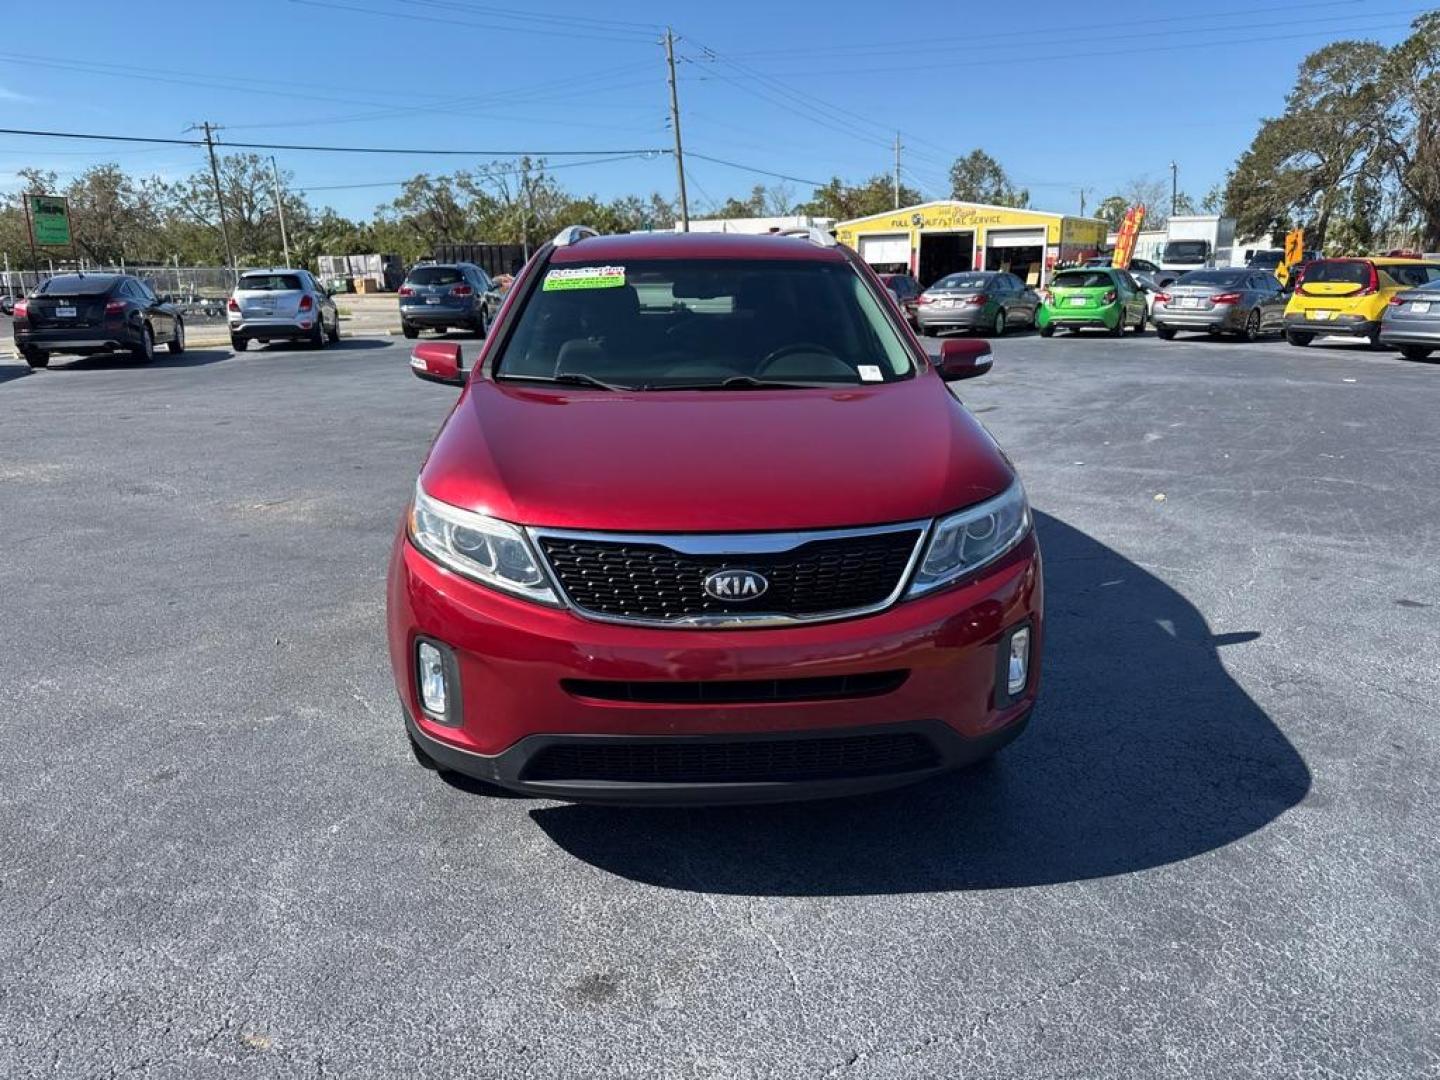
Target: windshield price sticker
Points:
(585, 277)
(870, 373)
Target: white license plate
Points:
(65, 313)
(1420, 307)
(1078, 301)
(432, 299)
(1321, 316)
(1190, 301)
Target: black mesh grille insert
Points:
(651, 581)
(837, 758)
(738, 691)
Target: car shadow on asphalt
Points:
(116, 361)
(10, 372)
(345, 344)
(1142, 752)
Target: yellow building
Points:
(939, 238)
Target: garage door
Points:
(883, 250)
(1011, 238)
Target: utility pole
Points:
(210, 130)
(675, 124)
(1174, 188)
(897, 170)
(280, 208)
(1083, 192)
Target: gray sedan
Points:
(1250, 303)
(987, 300)
(1411, 322)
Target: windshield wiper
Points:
(746, 382)
(568, 378)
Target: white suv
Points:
(281, 304)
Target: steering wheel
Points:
(798, 347)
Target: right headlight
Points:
(482, 548)
(965, 541)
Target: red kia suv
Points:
(706, 525)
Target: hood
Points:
(713, 461)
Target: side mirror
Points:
(963, 358)
(438, 361)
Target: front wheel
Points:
(1296, 337)
(1416, 352)
(144, 352)
(36, 358)
(177, 346)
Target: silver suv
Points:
(276, 304)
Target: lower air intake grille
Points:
(739, 691)
(755, 761)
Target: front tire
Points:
(1298, 338)
(36, 358)
(177, 346)
(144, 352)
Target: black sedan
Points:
(85, 314)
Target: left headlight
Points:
(967, 540)
(487, 550)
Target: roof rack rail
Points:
(812, 233)
(573, 234)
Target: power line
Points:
(752, 169)
(328, 149)
(494, 168)
(616, 38)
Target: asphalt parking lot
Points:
(1213, 853)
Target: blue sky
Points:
(1065, 95)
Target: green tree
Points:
(1409, 129)
(843, 202)
(978, 177)
(1112, 210)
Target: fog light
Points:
(430, 673)
(1018, 669)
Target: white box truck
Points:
(1195, 241)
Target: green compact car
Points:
(1092, 296)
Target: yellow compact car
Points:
(1348, 296)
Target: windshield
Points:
(1227, 278)
(434, 275)
(76, 285)
(1338, 273)
(269, 283)
(1415, 275)
(674, 323)
(1083, 279)
(1186, 250)
(962, 281)
(1266, 260)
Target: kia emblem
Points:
(736, 585)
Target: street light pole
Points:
(1174, 188)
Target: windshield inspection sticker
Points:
(870, 373)
(585, 277)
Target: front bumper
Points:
(512, 656)
(1228, 318)
(1343, 324)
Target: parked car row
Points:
(1389, 301)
